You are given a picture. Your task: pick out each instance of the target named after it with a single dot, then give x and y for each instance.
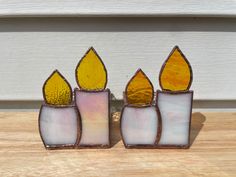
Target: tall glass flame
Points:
(91, 73)
(176, 72)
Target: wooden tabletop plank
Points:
(213, 151)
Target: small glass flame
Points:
(139, 90)
(176, 72)
(56, 90)
(91, 73)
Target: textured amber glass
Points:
(91, 73)
(176, 73)
(139, 90)
(56, 90)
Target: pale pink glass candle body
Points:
(176, 110)
(140, 126)
(93, 107)
(59, 126)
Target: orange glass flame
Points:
(176, 72)
(139, 90)
(56, 90)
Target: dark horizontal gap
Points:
(116, 105)
(118, 24)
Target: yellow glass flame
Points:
(56, 90)
(91, 73)
(176, 72)
(139, 90)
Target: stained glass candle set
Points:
(85, 122)
(166, 124)
(144, 123)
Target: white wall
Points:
(31, 48)
(183, 8)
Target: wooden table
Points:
(213, 151)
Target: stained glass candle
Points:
(93, 101)
(59, 123)
(175, 101)
(140, 119)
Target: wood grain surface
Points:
(213, 151)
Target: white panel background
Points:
(31, 48)
(193, 8)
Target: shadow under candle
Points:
(197, 123)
